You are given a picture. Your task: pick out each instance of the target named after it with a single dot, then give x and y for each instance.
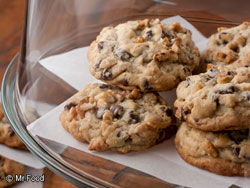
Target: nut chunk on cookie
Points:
(229, 45)
(109, 118)
(144, 54)
(216, 100)
(224, 152)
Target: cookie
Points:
(224, 152)
(9, 167)
(144, 54)
(7, 135)
(229, 45)
(216, 100)
(110, 118)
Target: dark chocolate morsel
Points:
(106, 86)
(134, 118)
(229, 90)
(149, 34)
(124, 82)
(106, 74)
(100, 45)
(236, 151)
(117, 110)
(1, 161)
(119, 134)
(167, 111)
(97, 65)
(100, 112)
(11, 132)
(124, 55)
(128, 140)
(165, 34)
(69, 106)
(196, 120)
(146, 84)
(217, 101)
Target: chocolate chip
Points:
(237, 136)
(165, 34)
(229, 90)
(100, 45)
(188, 81)
(106, 74)
(134, 118)
(246, 95)
(124, 55)
(117, 110)
(124, 82)
(196, 120)
(182, 115)
(69, 106)
(224, 42)
(236, 151)
(100, 112)
(146, 84)
(11, 132)
(119, 134)
(128, 140)
(217, 101)
(106, 86)
(166, 133)
(212, 73)
(149, 34)
(167, 111)
(186, 69)
(247, 158)
(1, 161)
(97, 65)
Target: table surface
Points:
(11, 23)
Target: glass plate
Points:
(58, 26)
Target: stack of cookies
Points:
(136, 60)
(9, 138)
(215, 107)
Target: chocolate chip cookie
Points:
(229, 45)
(216, 100)
(144, 54)
(9, 167)
(7, 135)
(224, 152)
(110, 118)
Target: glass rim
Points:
(8, 103)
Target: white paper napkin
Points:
(162, 160)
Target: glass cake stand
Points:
(29, 90)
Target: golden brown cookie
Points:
(144, 54)
(216, 100)
(110, 118)
(224, 152)
(7, 135)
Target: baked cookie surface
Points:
(144, 54)
(7, 135)
(216, 100)
(9, 167)
(229, 45)
(109, 118)
(224, 152)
